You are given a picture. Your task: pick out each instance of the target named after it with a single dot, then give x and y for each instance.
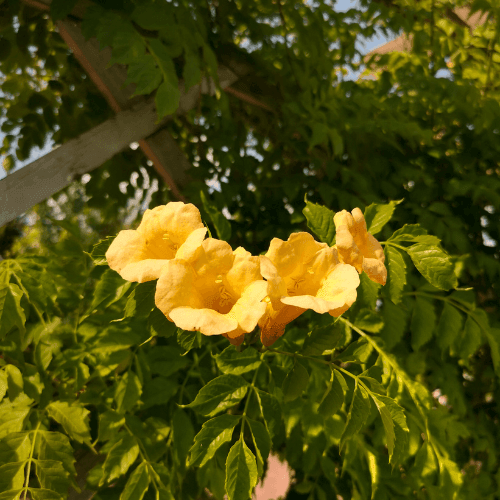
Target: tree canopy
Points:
(396, 399)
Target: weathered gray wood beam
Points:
(46, 176)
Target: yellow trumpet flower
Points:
(357, 247)
(166, 232)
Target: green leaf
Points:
(137, 484)
(11, 312)
(158, 391)
(183, 435)
(415, 233)
(237, 363)
(337, 141)
(334, 396)
(44, 494)
(271, 413)
(321, 339)
(59, 9)
(15, 383)
(141, 301)
(188, 340)
(399, 432)
(110, 422)
(396, 273)
(385, 415)
(3, 384)
(167, 99)
(241, 472)
(434, 265)
(221, 224)
(425, 461)
(262, 443)
(11, 495)
(319, 134)
(13, 415)
(191, 73)
(166, 360)
(358, 414)
(52, 475)
(164, 60)
(110, 288)
(12, 475)
(369, 321)
(128, 391)
(159, 325)
(471, 338)
(395, 318)
(214, 433)
(119, 459)
(295, 382)
(220, 393)
(320, 221)
(145, 74)
(449, 326)
(74, 419)
(357, 352)
(56, 446)
(493, 336)
(423, 321)
(15, 447)
(378, 215)
(98, 253)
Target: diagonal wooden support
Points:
(46, 176)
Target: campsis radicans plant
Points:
(203, 285)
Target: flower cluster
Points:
(204, 285)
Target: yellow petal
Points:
(235, 341)
(347, 248)
(375, 270)
(248, 308)
(190, 249)
(245, 270)
(177, 218)
(215, 258)
(207, 321)
(127, 247)
(340, 287)
(273, 322)
(175, 287)
(276, 286)
(144, 270)
(290, 256)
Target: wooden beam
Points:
(46, 176)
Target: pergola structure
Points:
(136, 121)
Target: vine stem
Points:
(30, 460)
(252, 385)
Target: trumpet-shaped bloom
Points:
(166, 232)
(220, 292)
(357, 247)
(303, 274)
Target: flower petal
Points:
(376, 270)
(176, 218)
(127, 247)
(245, 270)
(273, 322)
(215, 258)
(175, 287)
(207, 321)
(144, 270)
(248, 308)
(190, 249)
(290, 256)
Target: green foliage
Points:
(88, 360)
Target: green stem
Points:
(395, 245)
(252, 386)
(188, 374)
(30, 460)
